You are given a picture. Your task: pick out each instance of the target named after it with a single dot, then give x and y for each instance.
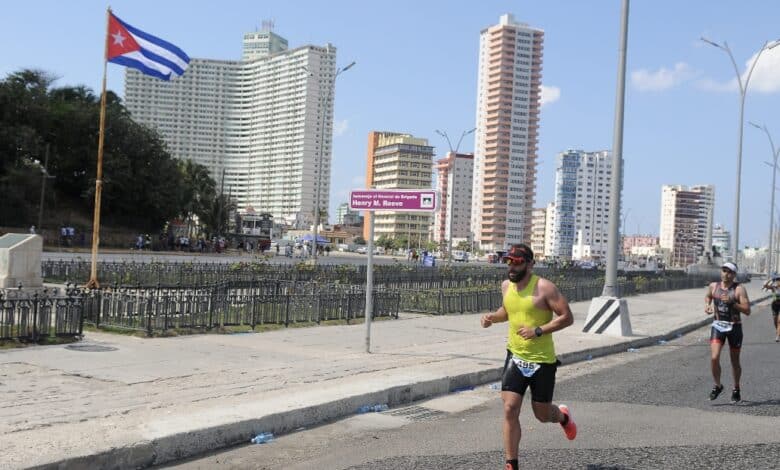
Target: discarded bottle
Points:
(661, 341)
(632, 350)
(373, 408)
(495, 386)
(263, 438)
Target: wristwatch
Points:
(538, 331)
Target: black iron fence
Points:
(391, 276)
(159, 309)
(485, 299)
(36, 316)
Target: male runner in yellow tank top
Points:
(529, 305)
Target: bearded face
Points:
(518, 268)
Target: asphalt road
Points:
(645, 409)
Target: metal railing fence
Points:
(34, 317)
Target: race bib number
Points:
(722, 326)
(526, 368)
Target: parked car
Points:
(460, 255)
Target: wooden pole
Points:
(93, 281)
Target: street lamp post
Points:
(775, 154)
(319, 161)
(450, 190)
(742, 92)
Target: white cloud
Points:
(340, 127)
(663, 78)
(550, 94)
(766, 75)
(765, 78)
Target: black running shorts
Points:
(542, 383)
(734, 337)
(775, 307)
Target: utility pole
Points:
(44, 176)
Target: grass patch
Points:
(44, 341)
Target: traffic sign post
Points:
(403, 200)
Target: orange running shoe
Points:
(571, 427)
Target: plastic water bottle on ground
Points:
(262, 438)
(495, 386)
(373, 408)
(632, 350)
(661, 341)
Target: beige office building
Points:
(686, 222)
(399, 161)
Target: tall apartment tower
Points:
(686, 222)
(399, 161)
(261, 125)
(582, 182)
(508, 101)
(455, 174)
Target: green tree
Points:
(142, 183)
(197, 191)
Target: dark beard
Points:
(516, 276)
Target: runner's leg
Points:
(715, 347)
(512, 432)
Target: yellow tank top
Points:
(521, 311)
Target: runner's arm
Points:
(499, 315)
(558, 304)
(743, 303)
(708, 301)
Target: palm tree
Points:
(198, 191)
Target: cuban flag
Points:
(131, 47)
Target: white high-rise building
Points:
(455, 174)
(549, 230)
(508, 104)
(582, 182)
(261, 125)
(686, 222)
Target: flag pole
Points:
(93, 281)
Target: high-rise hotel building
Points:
(262, 125)
(508, 104)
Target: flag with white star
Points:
(131, 47)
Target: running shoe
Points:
(715, 391)
(736, 396)
(571, 427)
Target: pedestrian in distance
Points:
(534, 308)
(726, 300)
(773, 284)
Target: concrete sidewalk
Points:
(115, 401)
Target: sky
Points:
(416, 72)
